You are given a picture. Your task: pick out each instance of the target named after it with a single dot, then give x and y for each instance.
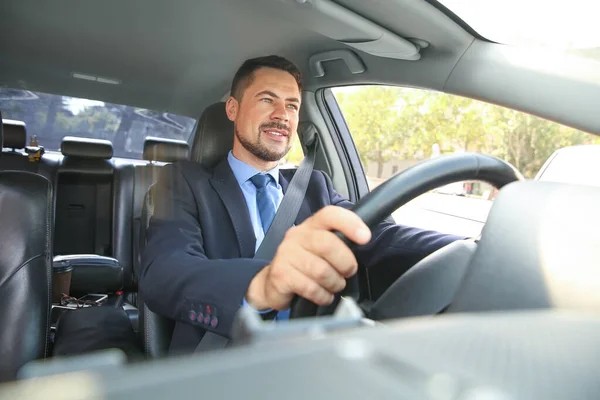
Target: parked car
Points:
(573, 164)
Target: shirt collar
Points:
(243, 171)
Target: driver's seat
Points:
(212, 142)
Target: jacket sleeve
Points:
(394, 242)
(177, 279)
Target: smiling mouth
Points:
(279, 136)
(276, 132)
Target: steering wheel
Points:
(404, 187)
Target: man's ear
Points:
(231, 108)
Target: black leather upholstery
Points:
(144, 177)
(15, 135)
(93, 273)
(86, 148)
(156, 329)
(123, 222)
(156, 332)
(84, 203)
(212, 142)
(165, 150)
(15, 138)
(25, 269)
(93, 167)
(214, 136)
(146, 212)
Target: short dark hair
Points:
(245, 74)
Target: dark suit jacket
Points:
(200, 245)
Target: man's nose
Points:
(280, 113)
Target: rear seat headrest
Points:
(166, 150)
(72, 146)
(15, 134)
(214, 136)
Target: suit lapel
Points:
(304, 211)
(226, 186)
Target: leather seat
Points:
(212, 141)
(15, 139)
(157, 151)
(84, 203)
(25, 268)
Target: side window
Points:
(394, 128)
(295, 156)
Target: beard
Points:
(259, 149)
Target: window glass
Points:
(294, 157)
(560, 25)
(394, 128)
(51, 117)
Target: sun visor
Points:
(337, 22)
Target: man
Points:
(198, 267)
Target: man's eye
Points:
(293, 106)
(266, 100)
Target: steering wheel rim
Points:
(404, 187)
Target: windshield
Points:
(51, 117)
(566, 25)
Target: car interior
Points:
(512, 314)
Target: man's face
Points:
(266, 118)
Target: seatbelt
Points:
(284, 219)
(289, 207)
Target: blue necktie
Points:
(266, 209)
(264, 201)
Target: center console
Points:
(87, 280)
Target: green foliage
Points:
(295, 155)
(380, 122)
(403, 123)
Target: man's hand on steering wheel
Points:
(311, 261)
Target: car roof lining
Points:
(168, 57)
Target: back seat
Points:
(84, 205)
(157, 151)
(98, 199)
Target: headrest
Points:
(72, 146)
(1, 132)
(166, 150)
(15, 135)
(214, 136)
